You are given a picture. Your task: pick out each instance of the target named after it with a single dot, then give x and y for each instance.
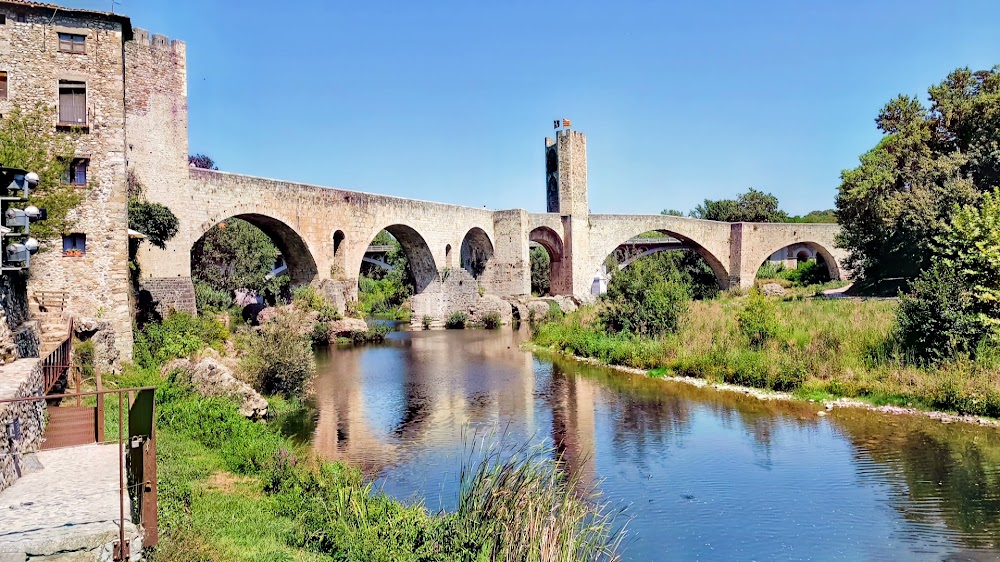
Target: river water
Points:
(703, 474)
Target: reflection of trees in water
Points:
(949, 473)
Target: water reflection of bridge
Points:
(427, 392)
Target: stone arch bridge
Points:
(460, 256)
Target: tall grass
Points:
(815, 347)
(521, 506)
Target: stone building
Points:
(96, 72)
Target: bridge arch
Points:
(549, 239)
(294, 249)
(417, 251)
(719, 269)
(818, 249)
(476, 252)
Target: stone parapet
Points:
(21, 423)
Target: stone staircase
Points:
(47, 309)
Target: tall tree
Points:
(752, 206)
(929, 162)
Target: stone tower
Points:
(566, 194)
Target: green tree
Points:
(540, 271)
(235, 254)
(752, 206)
(30, 142)
(826, 216)
(154, 220)
(929, 162)
(202, 161)
(641, 301)
(672, 213)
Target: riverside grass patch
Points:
(813, 348)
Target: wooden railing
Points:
(51, 301)
(58, 362)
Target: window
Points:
(3, 19)
(69, 43)
(76, 173)
(72, 103)
(3, 85)
(74, 245)
(21, 18)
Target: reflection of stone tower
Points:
(573, 425)
(566, 194)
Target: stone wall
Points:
(17, 380)
(97, 282)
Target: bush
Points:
(426, 321)
(154, 220)
(179, 335)
(375, 333)
(308, 299)
(936, 319)
(492, 321)
(640, 301)
(758, 319)
(208, 298)
(275, 360)
(456, 320)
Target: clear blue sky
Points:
(449, 100)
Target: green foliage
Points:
(672, 213)
(154, 220)
(382, 292)
(83, 358)
(456, 320)
(936, 318)
(30, 142)
(275, 358)
(308, 299)
(752, 206)
(931, 159)
(641, 301)
(540, 271)
(210, 299)
(806, 274)
(179, 335)
(828, 216)
(758, 319)
(375, 333)
(492, 320)
(235, 254)
(426, 322)
(970, 245)
(202, 161)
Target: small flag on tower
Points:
(560, 123)
(565, 122)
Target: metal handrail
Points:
(58, 361)
(121, 548)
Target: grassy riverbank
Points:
(818, 348)
(231, 489)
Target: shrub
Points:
(640, 301)
(209, 298)
(154, 220)
(308, 299)
(758, 319)
(275, 360)
(375, 333)
(492, 321)
(456, 320)
(179, 335)
(936, 319)
(426, 322)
